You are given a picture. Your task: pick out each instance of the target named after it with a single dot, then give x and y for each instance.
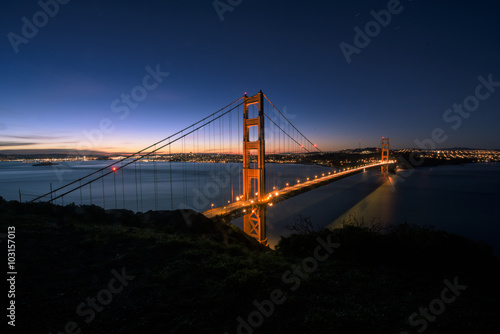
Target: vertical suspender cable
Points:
(184, 186)
(103, 196)
(136, 188)
(221, 124)
(170, 172)
(140, 183)
(155, 180)
(230, 152)
(205, 171)
(114, 182)
(240, 143)
(122, 169)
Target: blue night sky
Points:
(64, 79)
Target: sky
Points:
(423, 73)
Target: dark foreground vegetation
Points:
(86, 270)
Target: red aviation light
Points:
(113, 169)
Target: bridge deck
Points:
(241, 208)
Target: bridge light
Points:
(298, 181)
(244, 210)
(307, 179)
(237, 198)
(276, 193)
(287, 184)
(270, 204)
(301, 146)
(315, 145)
(113, 169)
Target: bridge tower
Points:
(385, 155)
(254, 223)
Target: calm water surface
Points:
(459, 199)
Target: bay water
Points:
(461, 199)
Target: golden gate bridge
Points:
(234, 143)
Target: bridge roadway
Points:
(240, 208)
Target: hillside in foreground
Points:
(86, 270)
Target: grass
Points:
(195, 283)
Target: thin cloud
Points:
(50, 151)
(35, 137)
(12, 143)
